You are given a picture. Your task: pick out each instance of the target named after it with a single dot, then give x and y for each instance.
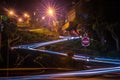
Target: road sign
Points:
(85, 41)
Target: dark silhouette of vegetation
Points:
(27, 58)
(100, 19)
(11, 36)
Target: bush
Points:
(113, 54)
(27, 37)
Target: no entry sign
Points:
(85, 41)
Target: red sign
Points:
(85, 41)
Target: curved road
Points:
(91, 72)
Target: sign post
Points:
(85, 41)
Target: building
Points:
(71, 17)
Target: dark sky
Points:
(28, 5)
(32, 4)
(111, 7)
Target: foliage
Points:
(99, 20)
(35, 36)
(113, 54)
(16, 37)
(8, 37)
(24, 58)
(11, 36)
(9, 31)
(114, 30)
(75, 47)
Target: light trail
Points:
(36, 45)
(91, 72)
(76, 57)
(84, 58)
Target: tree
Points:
(114, 30)
(10, 30)
(99, 27)
(9, 36)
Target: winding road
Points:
(91, 72)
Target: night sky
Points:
(28, 5)
(111, 7)
(20, 6)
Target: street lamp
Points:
(50, 11)
(20, 20)
(11, 13)
(43, 18)
(26, 15)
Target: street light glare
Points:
(43, 18)
(20, 20)
(50, 11)
(26, 15)
(11, 12)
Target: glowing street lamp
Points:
(43, 18)
(26, 15)
(20, 20)
(50, 11)
(11, 12)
